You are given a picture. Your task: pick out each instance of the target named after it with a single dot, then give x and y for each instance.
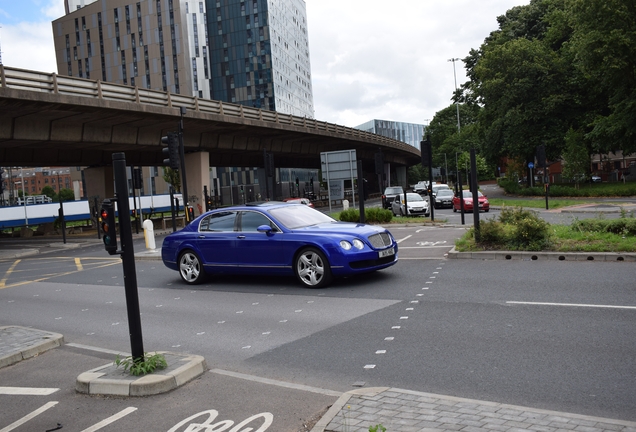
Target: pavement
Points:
(397, 410)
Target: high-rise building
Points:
(410, 133)
(153, 44)
(250, 52)
(260, 54)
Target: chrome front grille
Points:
(380, 241)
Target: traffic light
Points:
(137, 178)
(108, 226)
(425, 149)
(297, 183)
(171, 152)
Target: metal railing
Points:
(52, 83)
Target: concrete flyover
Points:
(52, 120)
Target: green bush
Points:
(623, 226)
(512, 215)
(371, 215)
(492, 232)
(350, 215)
(378, 215)
(516, 229)
(509, 186)
(531, 233)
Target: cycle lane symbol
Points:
(224, 425)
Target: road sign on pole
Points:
(339, 165)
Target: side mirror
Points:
(265, 229)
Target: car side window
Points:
(219, 222)
(250, 221)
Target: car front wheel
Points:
(312, 268)
(190, 268)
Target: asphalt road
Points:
(547, 334)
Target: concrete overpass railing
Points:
(22, 79)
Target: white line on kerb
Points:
(401, 240)
(110, 419)
(572, 305)
(27, 391)
(29, 416)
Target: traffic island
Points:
(111, 380)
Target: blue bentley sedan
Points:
(274, 238)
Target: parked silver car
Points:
(415, 205)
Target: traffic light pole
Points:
(128, 256)
(184, 185)
(475, 192)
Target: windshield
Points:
(468, 194)
(299, 216)
(393, 191)
(445, 193)
(414, 197)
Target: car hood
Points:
(344, 228)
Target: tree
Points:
(66, 194)
(576, 157)
(172, 177)
(605, 46)
(48, 191)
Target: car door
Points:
(216, 239)
(258, 250)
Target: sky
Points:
(370, 59)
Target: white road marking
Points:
(571, 305)
(369, 366)
(27, 391)
(401, 240)
(29, 416)
(277, 383)
(92, 348)
(111, 419)
(380, 352)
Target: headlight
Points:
(358, 244)
(345, 244)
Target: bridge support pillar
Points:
(198, 175)
(99, 182)
(402, 178)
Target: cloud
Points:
(371, 60)
(29, 46)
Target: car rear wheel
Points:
(312, 268)
(454, 209)
(190, 268)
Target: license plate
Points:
(386, 252)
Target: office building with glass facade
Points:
(410, 133)
(260, 54)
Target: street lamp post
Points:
(456, 103)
